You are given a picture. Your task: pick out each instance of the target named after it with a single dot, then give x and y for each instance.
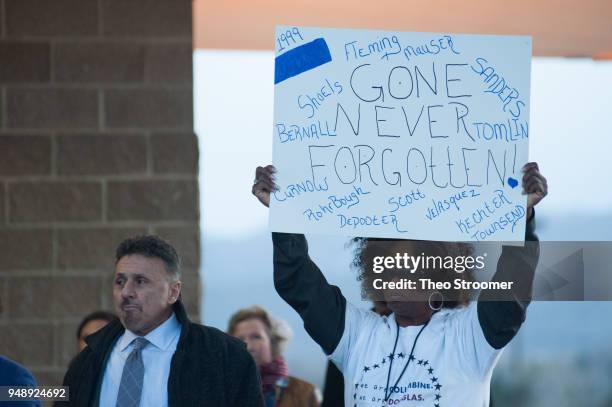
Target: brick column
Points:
(96, 144)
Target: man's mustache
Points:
(125, 303)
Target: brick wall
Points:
(96, 144)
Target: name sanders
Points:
(427, 284)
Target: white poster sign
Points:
(400, 134)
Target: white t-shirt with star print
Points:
(452, 363)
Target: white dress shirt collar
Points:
(161, 337)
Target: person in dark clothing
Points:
(14, 375)
(153, 355)
(382, 359)
(333, 387)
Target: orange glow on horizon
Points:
(558, 28)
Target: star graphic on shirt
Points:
(434, 379)
(438, 386)
(430, 370)
(356, 385)
(376, 366)
(436, 405)
(438, 397)
(384, 361)
(365, 368)
(400, 355)
(411, 358)
(391, 356)
(420, 362)
(426, 363)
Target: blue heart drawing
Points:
(512, 182)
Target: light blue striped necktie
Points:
(130, 388)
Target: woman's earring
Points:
(432, 299)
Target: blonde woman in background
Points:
(266, 339)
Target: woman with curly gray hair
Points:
(434, 349)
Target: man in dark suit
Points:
(153, 355)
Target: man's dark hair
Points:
(151, 246)
(103, 315)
